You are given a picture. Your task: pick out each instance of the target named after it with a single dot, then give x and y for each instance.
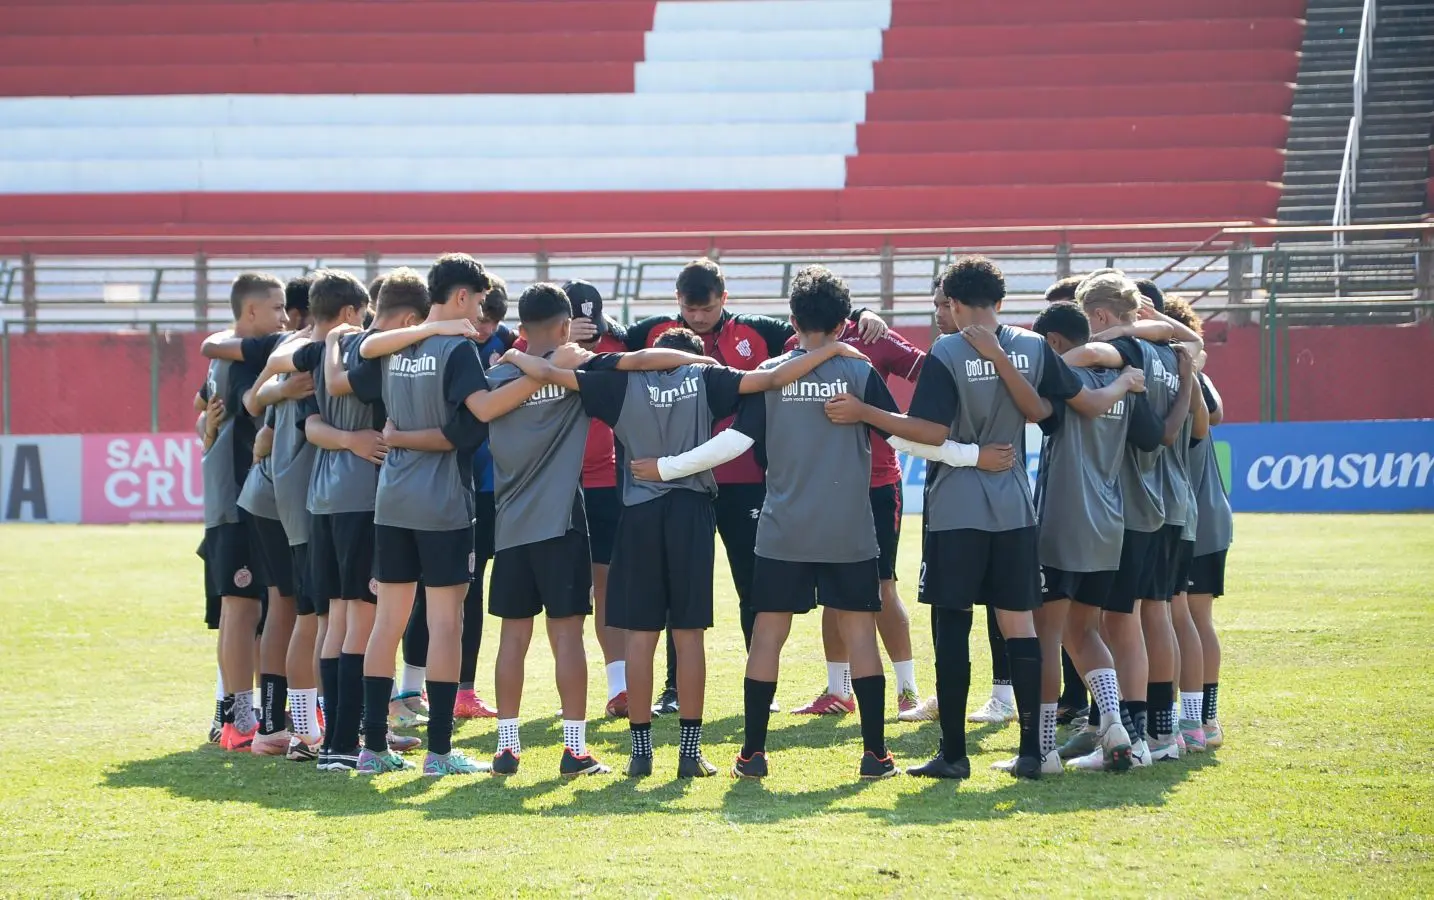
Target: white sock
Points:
(575, 736)
(301, 708)
(1003, 692)
(1105, 688)
(508, 736)
(219, 685)
(839, 679)
(906, 676)
(616, 678)
(412, 679)
(1048, 728)
(1192, 705)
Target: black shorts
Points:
(1180, 566)
(341, 559)
(437, 558)
(662, 564)
(1161, 584)
(230, 566)
(886, 513)
(303, 597)
(271, 546)
(604, 508)
(212, 602)
(964, 567)
(1088, 588)
(1207, 574)
(485, 524)
(1134, 577)
(782, 586)
(553, 576)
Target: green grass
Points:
(1325, 785)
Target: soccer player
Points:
(742, 341)
(1078, 504)
(257, 301)
(981, 547)
(1213, 536)
(296, 302)
(343, 423)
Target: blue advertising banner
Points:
(1385, 466)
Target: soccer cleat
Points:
(338, 760)
(1179, 739)
(617, 706)
(874, 768)
(993, 712)
(1194, 734)
(407, 711)
(1164, 748)
(276, 744)
(1140, 755)
(1070, 715)
(231, 738)
(695, 767)
(827, 705)
(1115, 747)
(573, 765)
(638, 766)
(301, 750)
(403, 743)
(436, 765)
(927, 710)
(1214, 734)
(1023, 766)
(471, 706)
(1082, 743)
(370, 763)
(505, 762)
(939, 767)
(753, 767)
(906, 701)
(666, 703)
(216, 727)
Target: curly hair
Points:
(974, 281)
(820, 300)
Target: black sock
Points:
(1138, 709)
(349, 706)
(757, 703)
(471, 639)
(376, 692)
(870, 692)
(329, 684)
(641, 734)
(689, 743)
(1161, 697)
(1127, 720)
(1000, 664)
(1073, 695)
(273, 703)
(441, 696)
(1025, 659)
(953, 677)
(226, 706)
(1212, 701)
(415, 636)
(670, 684)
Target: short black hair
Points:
(1152, 293)
(681, 339)
(495, 305)
(296, 292)
(974, 281)
(700, 281)
(247, 285)
(1064, 289)
(375, 286)
(403, 289)
(820, 300)
(543, 302)
(332, 291)
(452, 271)
(1065, 318)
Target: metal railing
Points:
(1349, 164)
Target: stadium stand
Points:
(570, 116)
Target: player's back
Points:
(1142, 474)
(664, 414)
(341, 481)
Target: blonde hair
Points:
(1111, 290)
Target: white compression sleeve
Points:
(723, 447)
(958, 456)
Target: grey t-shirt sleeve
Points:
(935, 398)
(724, 390)
(603, 393)
(309, 357)
(1058, 382)
(878, 395)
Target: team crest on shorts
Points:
(243, 578)
(744, 347)
(757, 513)
(472, 561)
(373, 586)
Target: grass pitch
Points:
(1324, 787)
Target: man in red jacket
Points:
(742, 341)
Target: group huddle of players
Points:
(369, 449)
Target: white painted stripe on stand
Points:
(765, 15)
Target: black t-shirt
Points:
(242, 375)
